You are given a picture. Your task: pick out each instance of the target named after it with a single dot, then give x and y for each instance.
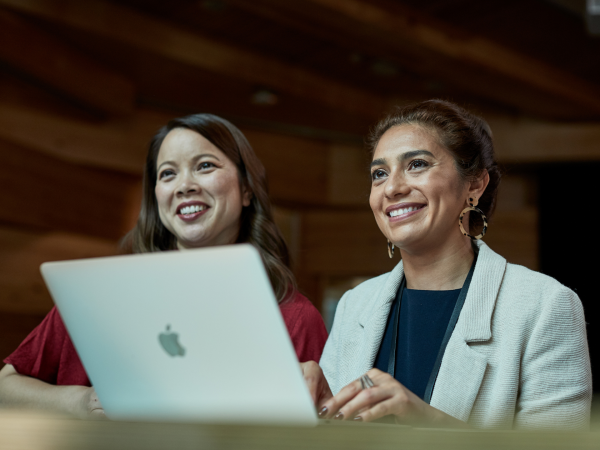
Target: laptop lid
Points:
(193, 335)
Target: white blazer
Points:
(518, 356)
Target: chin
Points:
(406, 241)
(192, 241)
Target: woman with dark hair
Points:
(453, 335)
(203, 186)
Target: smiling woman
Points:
(203, 186)
(191, 168)
(454, 335)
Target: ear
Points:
(477, 187)
(246, 195)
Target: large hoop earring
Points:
(472, 207)
(390, 249)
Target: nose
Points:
(396, 185)
(187, 184)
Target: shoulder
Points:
(535, 286)
(537, 303)
(518, 284)
(305, 327)
(300, 309)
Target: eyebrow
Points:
(195, 158)
(403, 157)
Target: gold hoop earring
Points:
(390, 249)
(473, 207)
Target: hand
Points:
(88, 405)
(387, 397)
(316, 382)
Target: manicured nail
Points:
(358, 419)
(339, 416)
(323, 411)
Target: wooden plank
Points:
(132, 28)
(408, 28)
(428, 73)
(119, 144)
(60, 66)
(348, 175)
(519, 141)
(22, 289)
(31, 430)
(343, 243)
(44, 192)
(297, 168)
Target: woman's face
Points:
(198, 191)
(416, 191)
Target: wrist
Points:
(72, 400)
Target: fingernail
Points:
(339, 416)
(358, 419)
(323, 411)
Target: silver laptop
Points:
(192, 335)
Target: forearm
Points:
(21, 391)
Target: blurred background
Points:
(85, 84)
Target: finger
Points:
(376, 373)
(98, 414)
(377, 411)
(366, 399)
(312, 377)
(379, 378)
(324, 397)
(312, 388)
(335, 403)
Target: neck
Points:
(444, 268)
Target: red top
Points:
(49, 355)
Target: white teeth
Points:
(398, 212)
(191, 209)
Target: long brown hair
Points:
(466, 136)
(257, 226)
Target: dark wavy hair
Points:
(466, 136)
(257, 226)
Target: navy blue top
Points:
(424, 317)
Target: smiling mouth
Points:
(400, 211)
(193, 209)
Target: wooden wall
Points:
(84, 85)
(57, 207)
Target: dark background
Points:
(569, 239)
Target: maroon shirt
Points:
(49, 355)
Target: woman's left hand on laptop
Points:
(317, 383)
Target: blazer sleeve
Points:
(330, 359)
(556, 378)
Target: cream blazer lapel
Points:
(463, 368)
(374, 318)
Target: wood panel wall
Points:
(54, 209)
(74, 131)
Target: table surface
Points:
(26, 430)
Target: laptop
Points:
(192, 335)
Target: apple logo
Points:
(169, 341)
